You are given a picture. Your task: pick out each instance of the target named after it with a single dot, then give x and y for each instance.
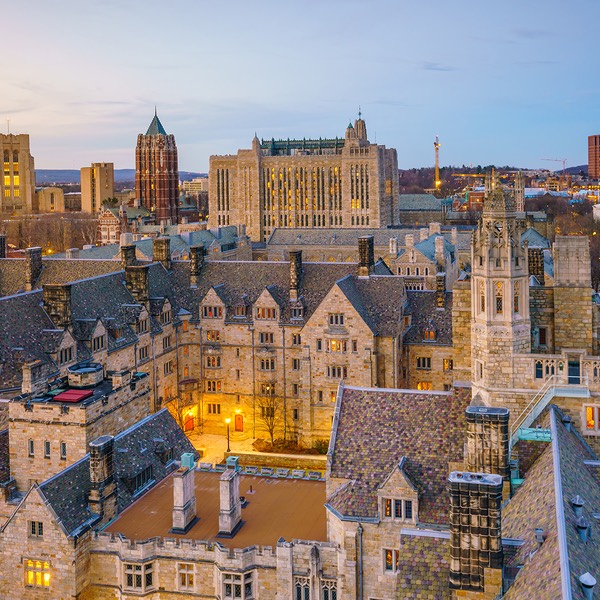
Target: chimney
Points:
(394, 246)
(475, 532)
(587, 582)
(439, 252)
(128, 256)
(409, 240)
(423, 233)
(454, 237)
(184, 495)
(72, 253)
(366, 256)
(161, 251)
(230, 513)
(295, 274)
(138, 283)
(536, 263)
(33, 267)
(197, 254)
(125, 239)
(102, 499)
(487, 440)
(2, 245)
(57, 303)
(435, 228)
(440, 290)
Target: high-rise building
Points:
(157, 173)
(594, 156)
(17, 186)
(97, 185)
(340, 182)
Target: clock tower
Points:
(499, 295)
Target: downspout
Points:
(154, 367)
(359, 591)
(284, 384)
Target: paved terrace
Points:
(292, 509)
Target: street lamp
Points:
(228, 420)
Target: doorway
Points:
(239, 422)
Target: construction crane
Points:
(436, 145)
(560, 160)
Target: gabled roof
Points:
(534, 238)
(422, 306)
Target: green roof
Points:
(156, 127)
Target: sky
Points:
(508, 82)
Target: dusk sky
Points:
(500, 82)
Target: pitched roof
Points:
(156, 127)
(422, 306)
(418, 202)
(407, 423)
(534, 238)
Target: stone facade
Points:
(50, 199)
(97, 185)
(17, 187)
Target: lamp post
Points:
(228, 420)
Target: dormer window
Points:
(98, 343)
(65, 355)
(266, 313)
(429, 334)
(398, 509)
(142, 326)
(212, 312)
(118, 333)
(297, 312)
(239, 312)
(165, 317)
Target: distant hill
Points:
(49, 176)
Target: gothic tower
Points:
(500, 295)
(157, 173)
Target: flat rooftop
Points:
(288, 508)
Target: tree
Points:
(270, 412)
(179, 406)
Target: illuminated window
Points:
(424, 385)
(213, 336)
(37, 573)
(213, 362)
(213, 385)
(184, 326)
(337, 345)
(591, 419)
(296, 339)
(139, 577)
(499, 297)
(448, 364)
(185, 577)
(266, 313)
(212, 312)
(391, 560)
(267, 389)
(429, 334)
(398, 509)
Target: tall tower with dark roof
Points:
(157, 173)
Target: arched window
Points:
(426, 271)
(499, 297)
(408, 270)
(6, 156)
(15, 156)
(516, 297)
(417, 271)
(481, 296)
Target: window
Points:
(166, 342)
(239, 312)
(297, 312)
(63, 450)
(481, 296)
(185, 577)
(186, 350)
(499, 297)
(319, 345)
(65, 355)
(214, 409)
(329, 590)
(267, 364)
(337, 345)
(337, 372)
(142, 479)
(543, 336)
(391, 560)
(47, 449)
(448, 364)
(301, 588)
(98, 343)
(35, 529)
(267, 412)
(267, 389)
(184, 326)
(139, 577)
(143, 353)
(354, 345)
(424, 385)
(296, 339)
(142, 326)
(336, 319)
(213, 362)
(213, 385)
(320, 396)
(168, 367)
(295, 364)
(165, 317)
(429, 334)
(295, 414)
(118, 333)
(516, 297)
(424, 363)
(265, 337)
(31, 448)
(212, 312)
(213, 335)
(237, 585)
(266, 313)
(37, 573)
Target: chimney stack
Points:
(488, 440)
(440, 290)
(57, 303)
(184, 495)
(366, 255)
(33, 267)
(435, 228)
(128, 256)
(138, 282)
(536, 263)
(440, 246)
(161, 251)
(423, 233)
(103, 494)
(230, 513)
(197, 254)
(475, 532)
(295, 274)
(409, 240)
(454, 236)
(393, 246)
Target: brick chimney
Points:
(57, 303)
(138, 282)
(128, 256)
(295, 274)
(230, 513)
(197, 254)
(423, 233)
(487, 440)
(102, 499)
(184, 495)
(440, 290)
(393, 246)
(161, 251)
(366, 255)
(33, 267)
(435, 228)
(475, 532)
(536, 263)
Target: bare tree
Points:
(270, 413)
(179, 406)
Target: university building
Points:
(97, 185)
(325, 183)
(17, 186)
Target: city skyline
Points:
(507, 87)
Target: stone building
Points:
(17, 186)
(337, 182)
(50, 199)
(97, 185)
(157, 173)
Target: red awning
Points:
(73, 395)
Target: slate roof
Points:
(134, 450)
(427, 247)
(534, 238)
(422, 306)
(406, 422)
(414, 202)
(156, 127)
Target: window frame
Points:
(141, 570)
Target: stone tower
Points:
(157, 173)
(499, 295)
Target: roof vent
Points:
(588, 583)
(85, 375)
(539, 535)
(577, 503)
(567, 421)
(583, 528)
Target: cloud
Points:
(434, 66)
